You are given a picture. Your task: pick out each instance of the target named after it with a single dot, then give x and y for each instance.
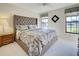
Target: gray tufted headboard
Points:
(22, 20)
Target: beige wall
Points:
(8, 10)
(11, 9)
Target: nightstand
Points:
(0, 40)
(6, 39)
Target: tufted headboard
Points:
(22, 20)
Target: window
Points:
(72, 24)
(44, 22)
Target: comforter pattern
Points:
(36, 39)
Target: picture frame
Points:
(55, 18)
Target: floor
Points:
(60, 48)
(12, 49)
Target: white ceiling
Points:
(40, 8)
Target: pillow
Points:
(21, 27)
(24, 27)
(32, 26)
(18, 27)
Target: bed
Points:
(34, 41)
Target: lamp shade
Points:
(5, 27)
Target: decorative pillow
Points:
(24, 27)
(32, 26)
(18, 27)
(21, 27)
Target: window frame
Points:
(66, 25)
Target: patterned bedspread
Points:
(36, 39)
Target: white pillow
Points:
(21, 27)
(24, 27)
(18, 27)
(32, 26)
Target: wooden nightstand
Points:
(6, 39)
(0, 40)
